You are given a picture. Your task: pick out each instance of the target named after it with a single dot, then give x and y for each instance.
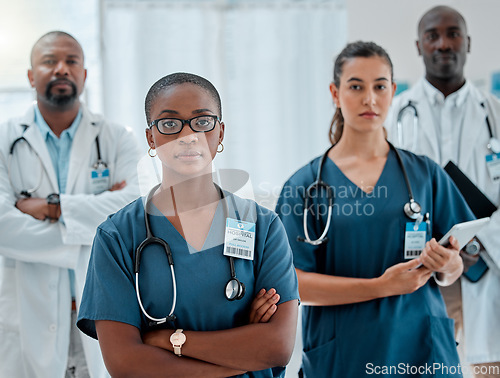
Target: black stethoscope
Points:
(29, 191)
(493, 143)
(412, 208)
(234, 290)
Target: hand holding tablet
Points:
(464, 232)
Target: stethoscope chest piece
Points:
(412, 209)
(494, 145)
(235, 289)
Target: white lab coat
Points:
(35, 299)
(481, 300)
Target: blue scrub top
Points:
(365, 238)
(201, 276)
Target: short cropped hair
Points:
(177, 79)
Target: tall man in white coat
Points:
(63, 170)
(453, 120)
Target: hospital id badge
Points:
(99, 180)
(415, 239)
(239, 240)
(493, 165)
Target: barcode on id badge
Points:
(238, 251)
(413, 252)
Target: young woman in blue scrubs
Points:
(252, 336)
(369, 310)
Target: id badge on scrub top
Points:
(239, 240)
(493, 165)
(415, 239)
(99, 179)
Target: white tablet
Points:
(464, 232)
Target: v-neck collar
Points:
(215, 236)
(380, 180)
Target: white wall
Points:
(22, 22)
(393, 25)
(270, 61)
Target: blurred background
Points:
(270, 60)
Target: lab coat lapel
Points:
(35, 139)
(474, 121)
(427, 137)
(81, 149)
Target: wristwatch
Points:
(178, 339)
(54, 203)
(473, 247)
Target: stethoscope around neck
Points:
(412, 208)
(28, 192)
(493, 143)
(234, 289)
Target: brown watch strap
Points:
(53, 210)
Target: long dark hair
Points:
(357, 49)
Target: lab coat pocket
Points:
(319, 362)
(444, 348)
(99, 178)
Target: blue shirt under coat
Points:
(60, 151)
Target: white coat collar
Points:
(84, 141)
(474, 117)
(435, 96)
(82, 146)
(475, 114)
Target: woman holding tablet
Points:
(360, 220)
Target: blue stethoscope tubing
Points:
(234, 289)
(412, 208)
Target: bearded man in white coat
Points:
(456, 122)
(63, 170)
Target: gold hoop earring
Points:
(220, 145)
(149, 152)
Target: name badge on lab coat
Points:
(99, 180)
(415, 239)
(493, 165)
(239, 240)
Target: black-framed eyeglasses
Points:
(200, 124)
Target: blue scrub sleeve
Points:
(109, 292)
(450, 206)
(276, 269)
(290, 209)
